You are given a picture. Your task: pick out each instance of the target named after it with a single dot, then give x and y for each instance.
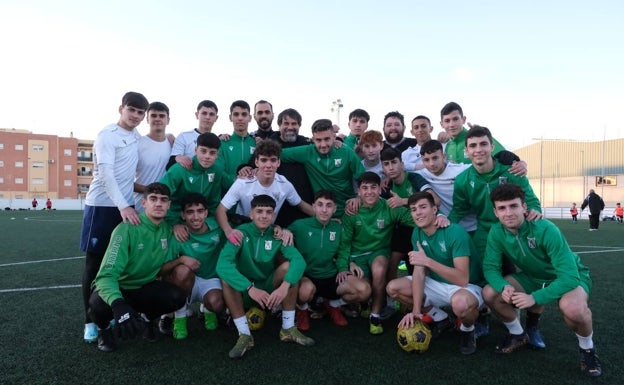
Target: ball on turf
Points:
(255, 318)
(415, 338)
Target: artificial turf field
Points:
(41, 321)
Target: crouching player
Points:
(549, 271)
(194, 266)
(126, 283)
(318, 239)
(248, 274)
(447, 271)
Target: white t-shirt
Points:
(244, 190)
(443, 185)
(115, 158)
(185, 143)
(153, 159)
(412, 160)
(377, 169)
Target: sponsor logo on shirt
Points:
(309, 234)
(472, 184)
(268, 245)
(230, 148)
(191, 179)
(424, 243)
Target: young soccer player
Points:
(248, 275)
(574, 213)
(618, 212)
(365, 242)
(447, 271)
(370, 144)
(358, 123)
(550, 271)
(240, 146)
(198, 256)
(184, 146)
(127, 283)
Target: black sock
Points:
(532, 319)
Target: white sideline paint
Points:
(41, 261)
(39, 288)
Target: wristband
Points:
(249, 287)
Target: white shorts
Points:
(440, 293)
(203, 286)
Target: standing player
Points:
(595, 204)
(447, 271)
(421, 130)
(574, 213)
(110, 198)
(618, 212)
(248, 273)
(154, 150)
(358, 123)
(550, 271)
(184, 145)
(370, 145)
(240, 146)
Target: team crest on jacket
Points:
(442, 246)
(381, 223)
(211, 177)
(502, 180)
(268, 245)
(332, 235)
(251, 150)
(532, 243)
(337, 162)
(163, 243)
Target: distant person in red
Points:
(49, 204)
(34, 203)
(574, 213)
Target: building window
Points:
(1, 146)
(1, 179)
(19, 147)
(19, 163)
(19, 180)
(67, 152)
(37, 147)
(67, 182)
(38, 181)
(1, 163)
(67, 167)
(37, 164)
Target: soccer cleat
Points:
(210, 321)
(375, 327)
(439, 327)
(244, 343)
(149, 334)
(387, 312)
(512, 342)
(468, 342)
(351, 310)
(180, 331)
(336, 315)
(294, 335)
(90, 333)
(535, 338)
(302, 319)
(482, 326)
(590, 364)
(106, 340)
(165, 326)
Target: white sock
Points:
(242, 326)
(586, 342)
(437, 314)
(168, 315)
(288, 319)
(466, 328)
(514, 327)
(374, 315)
(303, 307)
(337, 302)
(181, 312)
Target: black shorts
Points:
(326, 287)
(402, 239)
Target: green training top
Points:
(204, 247)
(333, 171)
(369, 230)
(236, 151)
(133, 258)
(542, 253)
(351, 141)
(446, 244)
(456, 148)
(318, 244)
(254, 259)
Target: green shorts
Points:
(530, 284)
(365, 260)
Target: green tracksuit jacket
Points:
(456, 148)
(318, 244)
(204, 247)
(236, 151)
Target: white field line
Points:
(41, 261)
(22, 289)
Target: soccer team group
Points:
(271, 220)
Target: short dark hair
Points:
(431, 146)
(135, 99)
(240, 103)
(450, 107)
(422, 117)
(262, 200)
(262, 101)
(268, 148)
(191, 199)
(326, 194)
(395, 114)
(477, 131)
(359, 113)
(390, 153)
(322, 125)
(207, 104)
(291, 113)
(208, 139)
(507, 192)
(420, 195)
(369, 177)
(156, 188)
(158, 106)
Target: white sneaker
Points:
(90, 333)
